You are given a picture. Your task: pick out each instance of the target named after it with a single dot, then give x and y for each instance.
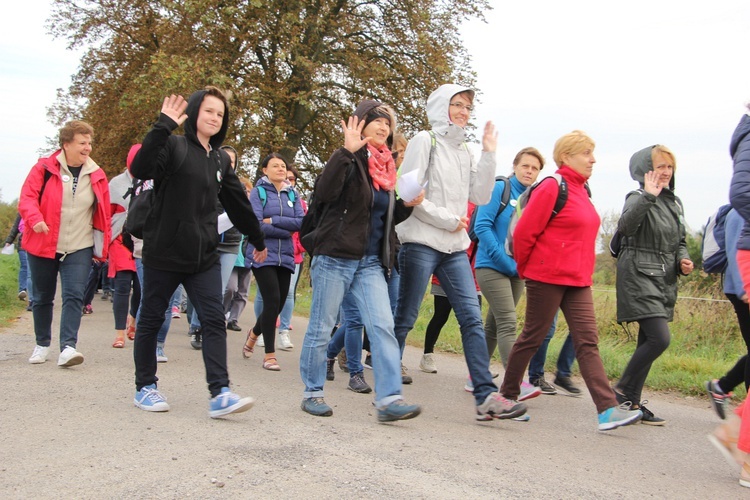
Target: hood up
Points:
(641, 162)
(438, 108)
(194, 106)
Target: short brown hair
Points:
(214, 91)
(529, 151)
(71, 128)
(572, 143)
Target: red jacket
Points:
(49, 210)
(560, 251)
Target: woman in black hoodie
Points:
(180, 237)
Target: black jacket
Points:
(180, 233)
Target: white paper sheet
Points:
(408, 186)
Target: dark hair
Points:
(214, 91)
(293, 169)
(71, 128)
(267, 159)
(236, 155)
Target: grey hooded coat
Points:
(653, 229)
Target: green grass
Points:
(706, 341)
(10, 306)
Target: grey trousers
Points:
(502, 294)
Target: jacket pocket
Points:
(653, 269)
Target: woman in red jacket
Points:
(65, 203)
(555, 256)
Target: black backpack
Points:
(142, 201)
(504, 200)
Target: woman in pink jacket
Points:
(65, 203)
(554, 253)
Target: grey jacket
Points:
(453, 180)
(653, 229)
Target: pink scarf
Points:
(382, 168)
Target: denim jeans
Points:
(394, 282)
(417, 263)
(288, 309)
(23, 271)
(226, 261)
(205, 288)
(161, 336)
(564, 360)
(348, 336)
(364, 279)
(74, 270)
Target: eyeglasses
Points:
(459, 106)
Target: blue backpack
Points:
(264, 196)
(714, 245)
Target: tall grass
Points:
(10, 306)
(706, 341)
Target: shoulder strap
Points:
(505, 198)
(47, 175)
(262, 194)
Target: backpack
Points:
(316, 212)
(714, 244)
(504, 199)
(615, 244)
(264, 196)
(142, 200)
(523, 200)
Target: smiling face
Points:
(459, 109)
(664, 168)
(527, 169)
(210, 118)
(379, 129)
(78, 150)
(275, 170)
(582, 162)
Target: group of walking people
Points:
(372, 250)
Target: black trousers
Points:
(205, 291)
(740, 372)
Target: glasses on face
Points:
(459, 106)
(291, 179)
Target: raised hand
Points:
(651, 183)
(489, 138)
(353, 140)
(174, 107)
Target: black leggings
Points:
(653, 340)
(443, 310)
(273, 285)
(740, 372)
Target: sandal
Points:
(271, 364)
(745, 475)
(119, 343)
(249, 346)
(727, 447)
(130, 328)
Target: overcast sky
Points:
(629, 74)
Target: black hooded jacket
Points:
(180, 234)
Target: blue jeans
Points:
(161, 335)
(564, 360)
(226, 260)
(288, 309)
(364, 279)
(23, 271)
(394, 282)
(74, 271)
(417, 264)
(348, 335)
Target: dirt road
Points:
(74, 433)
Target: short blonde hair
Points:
(663, 150)
(572, 143)
(399, 139)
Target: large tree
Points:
(293, 68)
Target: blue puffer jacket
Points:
(739, 191)
(493, 231)
(286, 218)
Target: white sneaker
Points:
(70, 357)
(260, 342)
(160, 356)
(285, 343)
(39, 355)
(427, 364)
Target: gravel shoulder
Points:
(74, 433)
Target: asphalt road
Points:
(74, 433)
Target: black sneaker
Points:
(368, 361)
(232, 325)
(357, 384)
(405, 377)
(648, 417)
(330, 375)
(719, 400)
(565, 386)
(196, 339)
(545, 386)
